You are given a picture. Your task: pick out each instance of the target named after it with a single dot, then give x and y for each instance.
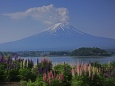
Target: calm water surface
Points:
(73, 60)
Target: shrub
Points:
(26, 74)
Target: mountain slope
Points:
(58, 37)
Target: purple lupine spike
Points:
(1, 59)
(37, 61)
(25, 64)
(11, 66)
(9, 60)
(15, 58)
(64, 63)
(47, 68)
(108, 74)
(32, 64)
(44, 71)
(21, 63)
(40, 71)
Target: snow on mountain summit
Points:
(63, 28)
(56, 25)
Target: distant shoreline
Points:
(65, 56)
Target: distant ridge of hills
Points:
(58, 37)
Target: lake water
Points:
(73, 60)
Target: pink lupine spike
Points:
(45, 77)
(73, 72)
(53, 77)
(78, 70)
(61, 76)
(50, 74)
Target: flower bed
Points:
(46, 74)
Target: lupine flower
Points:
(37, 61)
(78, 70)
(94, 70)
(49, 78)
(90, 69)
(108, 74)
(85, 68)
(11, 66)
(73, 72)
(8, 60)
(44, 77)
(61, 76)
(50, 74)
(44, 60)
(25, 63)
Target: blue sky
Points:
(23, 18)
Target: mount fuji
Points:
(58, 37)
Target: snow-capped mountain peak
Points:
(58, 26)
(58, 37)
(63, 28)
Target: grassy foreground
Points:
(44, 73)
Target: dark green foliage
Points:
(26, 74)
(13, 75)
(85, 80)
(56, 82)
(1, 74)
(90, 52)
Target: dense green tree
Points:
(90, 52)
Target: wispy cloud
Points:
(46, 14)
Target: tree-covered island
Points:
(90, 52)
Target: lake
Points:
(74, 60)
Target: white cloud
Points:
(46, 14)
